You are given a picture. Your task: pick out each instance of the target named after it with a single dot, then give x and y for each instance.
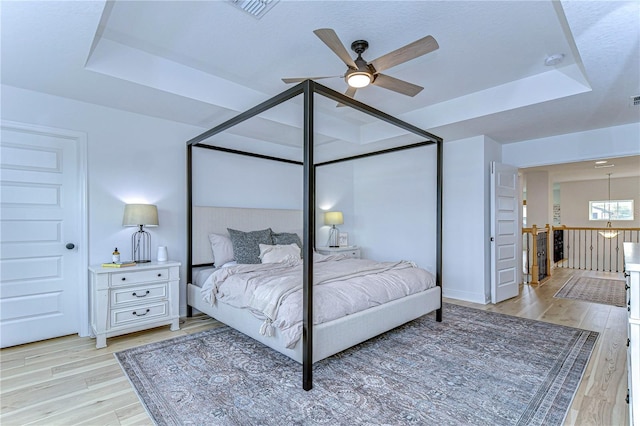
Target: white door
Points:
(43, 276)
(505, 232)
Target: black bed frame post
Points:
(308, 238)
(439, 158)
(189, 221)
(309, 88)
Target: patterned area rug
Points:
(607, 292)
(475, 367)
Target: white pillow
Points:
(278, 253)
(222, 249)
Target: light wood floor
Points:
(67, 381)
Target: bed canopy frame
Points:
(308, 88)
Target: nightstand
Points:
(349, 251)
(133, 298)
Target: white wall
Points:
(618, 141)
(539, 199)
(231, 180)
(131, 158)
(575, 197)
(395, 206)
(466, 224)
(334, 192)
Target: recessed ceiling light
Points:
(554, 59)
(602, 162)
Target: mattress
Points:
(342, 287)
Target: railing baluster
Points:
(579, 249)
(610, 254)
(597, 253)
(528, 252)
(566, 248)
(591, 250)
(577, 255)
(529, 256)
(617, 253)
(574, 250)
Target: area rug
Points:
(475, 367)
(597, 290)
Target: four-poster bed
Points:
(335, 335)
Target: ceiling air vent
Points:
(635, 100)
(255, 8)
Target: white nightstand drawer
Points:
(141, 294)
(133, 298)
(352, 251)
(355, 253)
(139, 276)
(139, 313)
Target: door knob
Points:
(70, 246)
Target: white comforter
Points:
(342, 286)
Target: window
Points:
(611, 210)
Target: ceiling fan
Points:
(361, 73)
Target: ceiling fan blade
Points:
(410, 51)
(330, 38)
(397, 85)
(298, 80)
(351, 92)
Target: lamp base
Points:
(141, 246)
(333, 237)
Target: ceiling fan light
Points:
(359, 79)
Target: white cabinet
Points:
(632, 274)
(133, 298)
(349, 251)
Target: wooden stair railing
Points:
(538, 262)
(587, 247)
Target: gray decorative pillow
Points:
(246, 245)
(286, 238)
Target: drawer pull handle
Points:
(141, 315)
(626, 287)
(628, 341)
(159, 275)
(140, 295)
(626, 274)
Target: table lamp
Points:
(333, 219)
(140, 215)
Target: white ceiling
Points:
(203, 62)
(619, 167)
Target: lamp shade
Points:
(333, 218)
(140, 214)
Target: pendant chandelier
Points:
(609, 233)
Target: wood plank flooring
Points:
(67, 381)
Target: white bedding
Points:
(200, 274)
(342, 286)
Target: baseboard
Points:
(464, 295)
